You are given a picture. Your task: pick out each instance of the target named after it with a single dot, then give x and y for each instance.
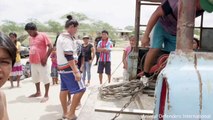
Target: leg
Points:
(84, 72)
(77, 88)
(45, 79)
(47, 86)
(108, 71)
(18, 80)
(63, 100)
(53, 80)
(75, 102)
(56, 80)
(150, 57)
(46, 96)
(11, 81)
(38, 91)
(36, 80)
(100, 77)
(100, 71)
(109, 78)
(52, 75)
(69, 99)
(89, 73)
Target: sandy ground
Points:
(20, 107)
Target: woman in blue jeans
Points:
(88, 55)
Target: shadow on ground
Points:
(55, 113)
(24, 99)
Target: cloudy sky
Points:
(118, 13)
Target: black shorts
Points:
(106, 65)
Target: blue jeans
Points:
(86, 71)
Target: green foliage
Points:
(87, 26)
(132, 28)
(40, 26)
(10, 26)
(54, 26)
(78, 16)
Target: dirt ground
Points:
(20, 107)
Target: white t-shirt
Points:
(66, 43)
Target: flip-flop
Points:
(44, 99)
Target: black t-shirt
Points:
(86, 52)
(97, 39)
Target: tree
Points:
(89, 26)
(40, 26)
(11, 26)
(54, 26)
(80, 17)
(98, 26)
(131, 28)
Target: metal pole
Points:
(137, 21)
(134, 58)
(201, 31)
(185, 30)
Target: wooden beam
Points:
(126, 111)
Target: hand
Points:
(77, 76)
(90, 61)
(44, 62)
(82, 68)
(125, 67)
(145, 41)
(105, 50)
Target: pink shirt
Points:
(38, 47)
(54, 59)
(127, 50)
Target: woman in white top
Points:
(67, 56)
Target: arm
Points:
(19, 47)
(44, 61)
(99, 49)
(48, 43)
(72, 64)
(124, 60)
(152, 21)
(107, 49)
(82, 63)
(93, 54)
(3, 107)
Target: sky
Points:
(118, 13)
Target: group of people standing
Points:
(70, 59)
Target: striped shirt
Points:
(105, 56)
(66, 44)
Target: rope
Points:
(120, 90)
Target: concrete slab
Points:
(20, 107)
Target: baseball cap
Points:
(85, 37)
(207, 5)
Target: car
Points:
(24, 51)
